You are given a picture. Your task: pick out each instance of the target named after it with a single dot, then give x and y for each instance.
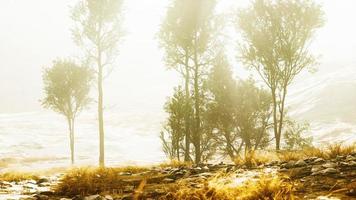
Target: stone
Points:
(41, 197)
(129, 188)
(329, 171)
(94, 197)
(300, 163)
(290, 164)
(206, 168)
(350, 158)
(125, 174)
(329, 165)
(42, 180)
(351, 192)
(316, 168)
(108, 197)
(168, 180)
(318, 161)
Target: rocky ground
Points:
(314, 178)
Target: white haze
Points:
(34, 33)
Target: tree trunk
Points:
(197, 135)
(275, 122)
(100, 114)
(281, 113)
(186, 117)
(71, 138)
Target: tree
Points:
(276, 36)
(294, 136)
(173, 133)
(66, 87)
(189, 37)
(238, 111)
(98, 31)
(221, 107)
(176, 39)
(253, 110)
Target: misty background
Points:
(34, 33)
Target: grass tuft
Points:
(18, 176)
(87, 180)
(253, 159)
(266, 187)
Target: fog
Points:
(33, 33)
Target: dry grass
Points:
(176, 164)
(330, 151)
(86, 180)
(266, 187)
(290, 155)
(338, 149)
(18, 176)
(254, 159)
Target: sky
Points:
(34, 33)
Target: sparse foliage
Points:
(276, 36)
(97, 31)
(66, 87)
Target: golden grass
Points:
(290, 155)
(254, 159)
(329, 151)
(338, 149)
(18, 176)
(89, 180)
(176, 164)
(267, 187)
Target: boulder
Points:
(300, 163)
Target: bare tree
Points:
(98, 31)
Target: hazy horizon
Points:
(37, 33)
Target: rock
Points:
(350, 158)
(318, 161)
(329, 171)
(206, 168)
(42, 180)
(94, 197)
(300, 163)
(351, 192)
(129, 188)
(329, 165)
(289, 164)
(316, 168)
(125, 174)
(108, 197)
(41, 197)
(168, 180)
(47, 193)
(160, 191)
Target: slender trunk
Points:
(197, 137)
(275, 123)
(72, 142)
(71, 139)
(186, 117)
(281, 113)
(229, 147)
(100, 112)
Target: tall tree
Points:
(221, 107)
(174, 129)
(276, 36)
(98, 31)
(206, 44)
(66, 87)
(176, 39)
